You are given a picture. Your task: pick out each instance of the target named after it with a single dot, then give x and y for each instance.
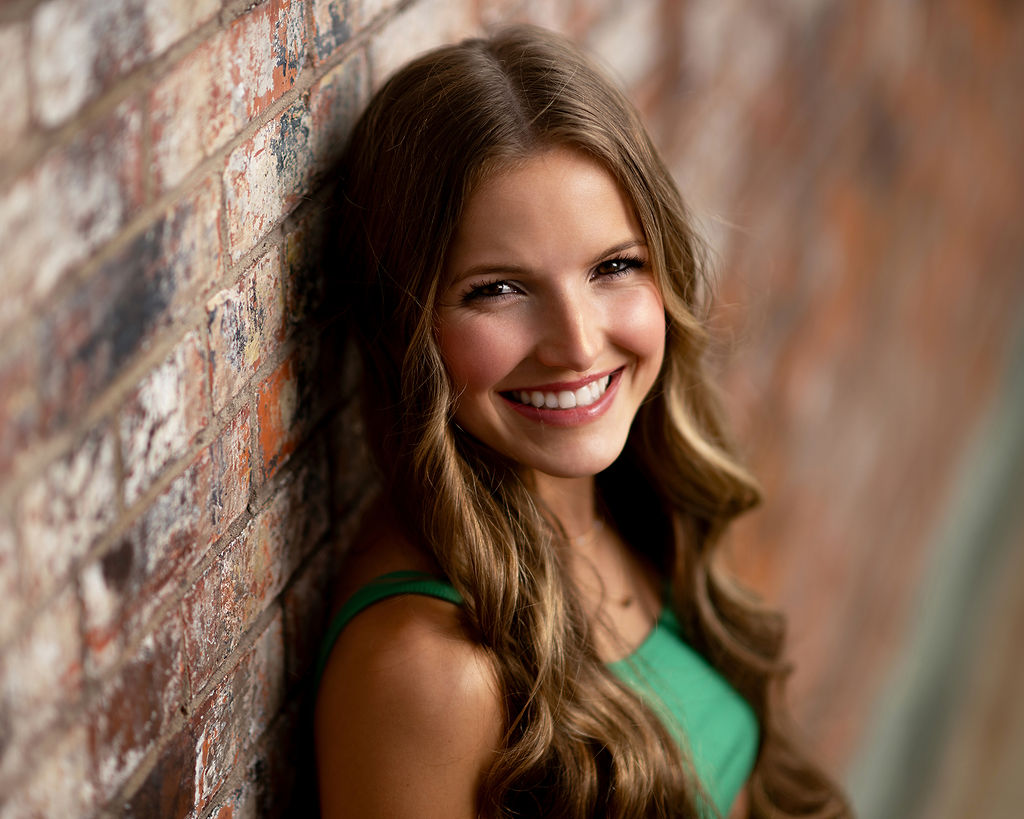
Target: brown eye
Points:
(613, 268)
(491, 290)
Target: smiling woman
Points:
(531, 622)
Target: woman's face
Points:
(550, 323)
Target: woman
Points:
(532, 623)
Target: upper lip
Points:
(570, 386)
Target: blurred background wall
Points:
(179, 457)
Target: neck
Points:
(572, 501)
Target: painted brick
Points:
(19, 401)
(251, 572)
(79, 48)
(108, 319)
(364, 12)
(332, 26)
(238, 712)
(215, 91)
(59, 784)
(164, 415)
(13, 86)
(167, 792)
(45, 231)
(64, 511)
(246, 326)
(334, 103)
(265, 178)
(40, 677)
(421, 26)
(135, 708)
(280, 416)
(11, 584)
(306, 604)
(122, 590)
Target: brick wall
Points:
(179, 457)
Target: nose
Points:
(570, 335)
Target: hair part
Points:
(579, 743)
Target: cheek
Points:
(640, 321)
(478, 353)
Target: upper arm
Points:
(408, 715)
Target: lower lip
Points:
(570, 417)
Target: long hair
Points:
(578, 742)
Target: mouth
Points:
(563, 399)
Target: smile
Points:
(563, 399)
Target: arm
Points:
(408, 716)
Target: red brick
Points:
(45, 230)
(19, 400)
(80, 48)
(278, 411)
(11, 584)
(297, 515)
(162, 418)
(332, 26)
(168, 791)
(307, 603)
(215, 91)
(304, 270)
(40, 677)
(421, 26)
(13, 86)
(265, 177)
(63, 511)
(135, 708)
(109, 318)
(334, 103)
(237, 713)
(147, 567)
(59, 784)
(246, 326)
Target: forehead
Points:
(557, 200)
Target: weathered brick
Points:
(215, 91)
(135, 707)
(237, 712)
(45, 231)
(352, 463)
(334, 103)
(109, 318)
(421, 26)
(332, 26)
(363, 12)
(164, 415)
(168, 791)
(280, 415)
(123, 589)
(305, 271)
(64, 511)
(40, 677)
(246, 326)
(11, 584)
(13, 86)
(266, 176)
(60, 784)
(306, 604)
(19, 400)
(614, 41)
(79, 48)
(251, 572)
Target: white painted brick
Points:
(59, 785)
(418, 28)
(66, 509)
(13, 86)
(163, 417)
(73, 201)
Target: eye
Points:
(490, 290)
(619, 266)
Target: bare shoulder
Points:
(409, 714)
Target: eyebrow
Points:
(513, 269)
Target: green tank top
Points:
(712, 723)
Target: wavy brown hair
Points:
(578, 743)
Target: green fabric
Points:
(713, 724)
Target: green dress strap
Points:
(380, 588)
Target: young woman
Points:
(532, 620)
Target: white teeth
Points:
(566, 399)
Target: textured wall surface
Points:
(179, 455)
